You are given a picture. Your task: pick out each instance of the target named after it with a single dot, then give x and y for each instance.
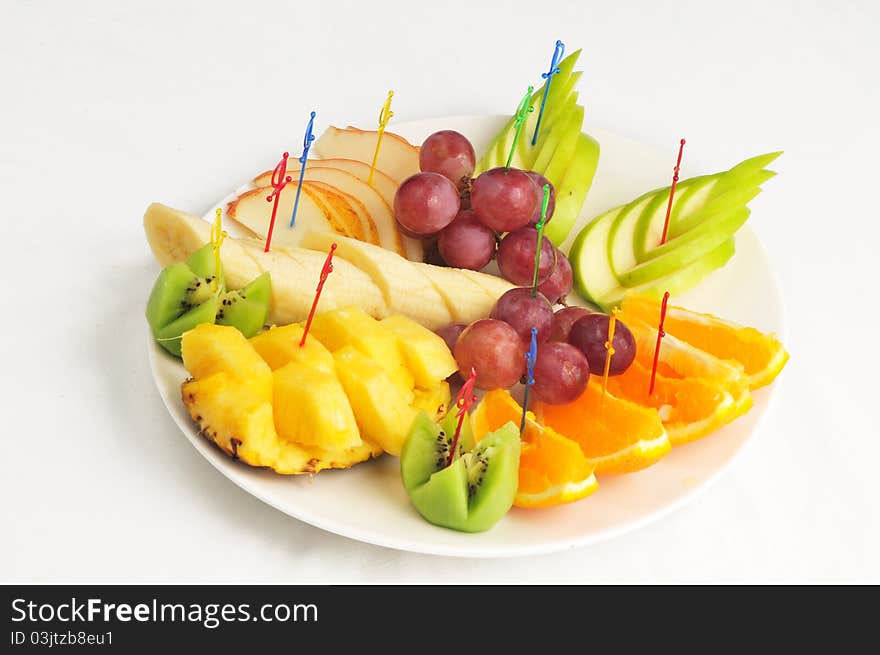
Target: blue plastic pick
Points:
(554, 69)
(307, 143)
(531, 358)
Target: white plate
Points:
(368, 502)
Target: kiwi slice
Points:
(183, 296)
(472, 493)
(247, 308)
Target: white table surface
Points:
(104, 109)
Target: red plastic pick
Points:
(463, 401)
(660, 335)
(672, 193)
(280, 178)
(325, 272)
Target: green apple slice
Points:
(556, 140)
(593, 277)
(690, 195)
(572, 190)
(621, 255)
(677, 253)
(553, 118)
(678, 282)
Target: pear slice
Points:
(397, 157)
(344, 208)
(252, 211)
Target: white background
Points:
(106, 108)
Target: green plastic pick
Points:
(545, 201)
(522, 110)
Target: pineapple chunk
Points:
(383, 412)
(279, 346)
(434, 401)
(209, 349)
(425, 352)
(352, 326)
(311, 408)
(235, 414)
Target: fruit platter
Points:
(477, 336)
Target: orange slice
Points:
(761, 355)
(616, 435)
(552, 468)
(695, 393)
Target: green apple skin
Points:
(621, 255)
(678, 282)
(572, 190)
(690, 246)
(556, 140)
(690, 195)
(591, 268)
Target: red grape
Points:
(504, 199)
(516, 257)
(561, 373)
(589, 335)
(559, 284)
(494, 350)
(466, 242)
(564, 319)
(540, 180)
(425, 203)
(450, 333)
(450, 154)
(518, 309)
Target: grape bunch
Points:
(472, 220)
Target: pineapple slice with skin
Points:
(383, 413)
(426, 354)
(209, 349)
(434, 401)
(278, 346)
(311, 408)
(352, 326)
(235, 416)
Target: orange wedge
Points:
(695, 393)
(552, 468)
(761, 355)
(616, 435)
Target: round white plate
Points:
(368, 501)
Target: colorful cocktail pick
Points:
(217, 236)
(531, 358)
(609, 349)
(660, 335)
(558, 52)
(385, 115)
(672, 192)
(325, 272)
(540, 227)
(307, 143)
(463, 402)
(519, 118)
(280, 178)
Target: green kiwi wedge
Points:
(247, 308)
(184, 295)
(473, 492)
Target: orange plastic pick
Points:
(385, 115)
(609, 348)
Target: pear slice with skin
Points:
(397, 157)
(345, 208)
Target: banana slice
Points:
(467, 301)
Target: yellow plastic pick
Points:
(217, 236)
(609, 348)
(385, 115)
